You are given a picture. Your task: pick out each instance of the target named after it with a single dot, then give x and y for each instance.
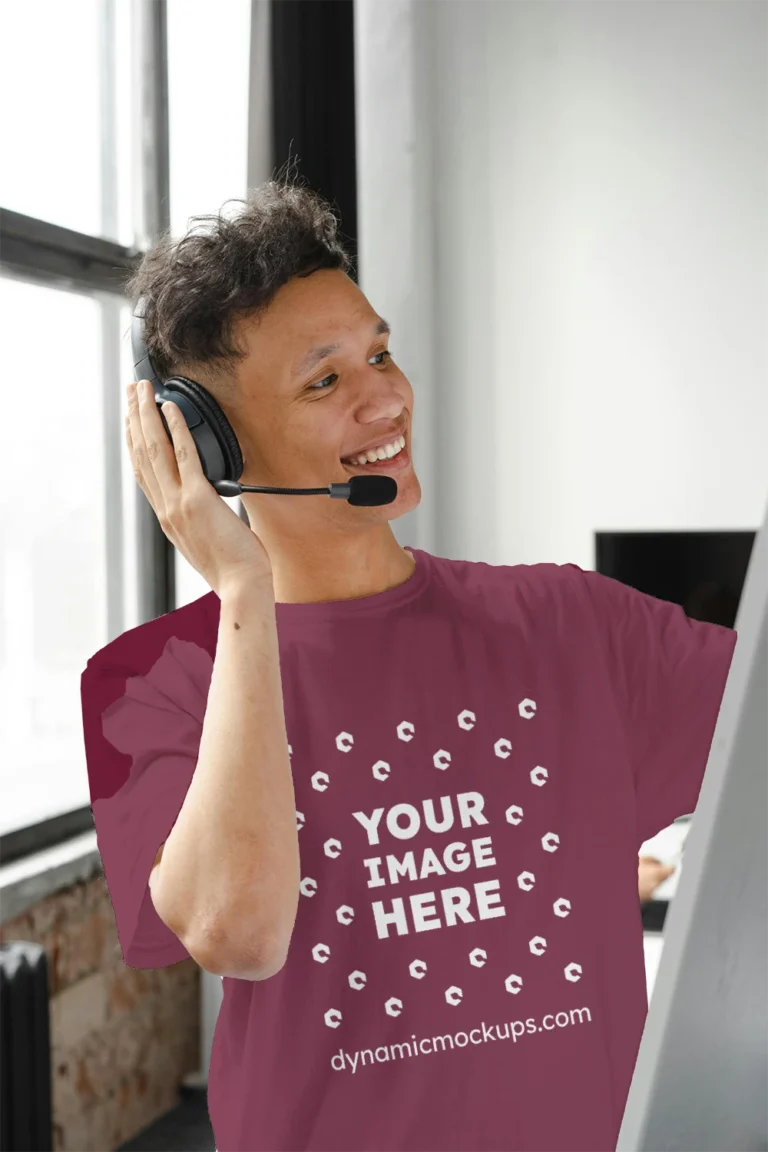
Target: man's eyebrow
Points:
(315, 355)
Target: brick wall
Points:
(122, 1039)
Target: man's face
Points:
(298, 419)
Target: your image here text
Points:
(425, 911)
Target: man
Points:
(368, 786)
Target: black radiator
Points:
(26, 1123)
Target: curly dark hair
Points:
(197, 287)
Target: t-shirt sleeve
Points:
(668, 674)
(142, 735)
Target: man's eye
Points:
(321, 385)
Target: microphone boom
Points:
(361, 491)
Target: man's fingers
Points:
(166, 463)
(159, 448)
(182, 445)
(657, 864)
(142, 464)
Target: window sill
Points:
(26, 882)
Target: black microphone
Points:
(363, 491)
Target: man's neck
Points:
(359, 565)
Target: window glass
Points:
(53, 567)
(207, 106)
(208, 141)
(65, 136)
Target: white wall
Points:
(563, 214)
(395, 192)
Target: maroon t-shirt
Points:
(475, 753)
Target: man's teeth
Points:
(386, 452)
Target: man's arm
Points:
(226, 880)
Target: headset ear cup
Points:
(214, 436)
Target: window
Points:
(66, 146)
(207, 106)
(208, 140)
(68, 557)
(64, 558)
(83, 162)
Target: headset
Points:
(220, 456)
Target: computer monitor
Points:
(701, 570)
